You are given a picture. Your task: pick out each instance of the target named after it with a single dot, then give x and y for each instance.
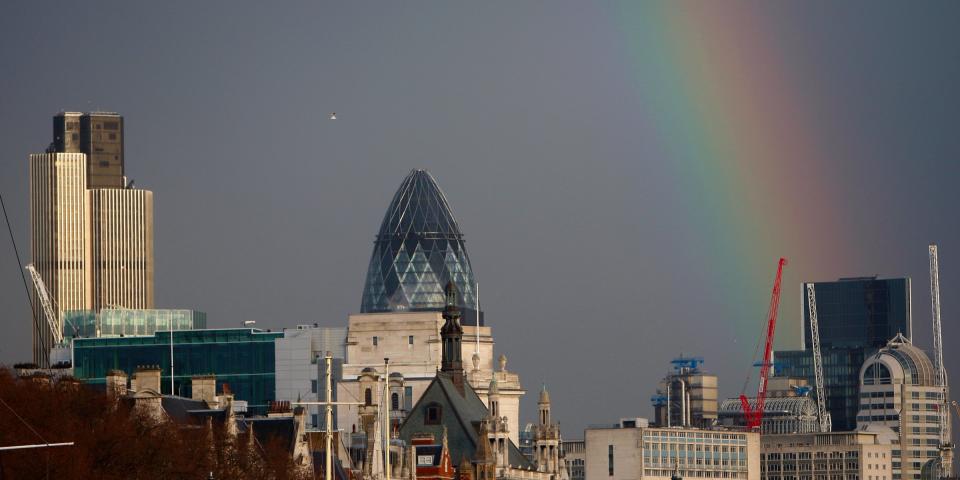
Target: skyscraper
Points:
(120, 248)
(92, 236)
(856, 316)
(58, 236)
(863, 312)
(418, 249)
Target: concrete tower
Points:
(92, 236)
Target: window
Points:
(375, 340)
(410, 340)
(313, 386)
(407, 398)
(610, 460)
(876, 374)
(394, 401)
(368, 397)
(432, 414)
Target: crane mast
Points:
(943, 412)
(755, 416)
(52, 319)
(822, 417)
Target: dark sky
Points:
(626, 175)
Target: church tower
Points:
(452, 336)
(543, 404)
(547, 442)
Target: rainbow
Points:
(736, 128)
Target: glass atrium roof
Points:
(418, 249)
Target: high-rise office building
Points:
(863, 312)
(58, 237)
(99, 135)
(120, 248)
(92, 237)
(856, 317)
(899, 396)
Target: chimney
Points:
(204, 388)
(117, 383)
(148, 378)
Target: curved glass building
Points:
(418, 250)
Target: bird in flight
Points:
(333, 115)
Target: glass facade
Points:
(418, 250)
(841, 378)
(859, 312)
(856, 316)
(115, 322)
(241, 358)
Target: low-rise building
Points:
(623, 451)
(825, 456)
(242, 358)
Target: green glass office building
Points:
(241, 358)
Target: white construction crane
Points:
(943, 412)
(822, 416)
(53, 319)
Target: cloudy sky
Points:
(626, 174)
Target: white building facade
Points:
(623, 452)
(898, 391)
(301, 370)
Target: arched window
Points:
(877, 374)
(368, 397)
(432, 414)
(394, 401)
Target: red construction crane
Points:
(755, 416)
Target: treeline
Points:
(111, 441)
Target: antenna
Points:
(477, 312)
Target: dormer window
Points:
(432, 414)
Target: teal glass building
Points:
(242, 358)
(115, 322)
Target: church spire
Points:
(452, 336)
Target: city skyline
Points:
(625, 176)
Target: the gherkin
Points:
(418, 250)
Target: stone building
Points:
(477, 436)
(631, 450)
(825, 456)
(898, 393)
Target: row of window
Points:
(694, 473)
(694, 437)
(847, 476)
(915, 395)
(808, 466)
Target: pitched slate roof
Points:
(461, 415)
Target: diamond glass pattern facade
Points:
(418, 250)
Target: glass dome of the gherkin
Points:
(418, 250)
